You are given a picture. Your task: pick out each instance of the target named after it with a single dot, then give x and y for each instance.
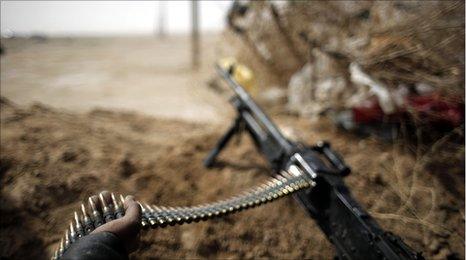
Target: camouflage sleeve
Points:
(103, 245)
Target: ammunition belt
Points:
(286, 183)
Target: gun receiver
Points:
(353, 232)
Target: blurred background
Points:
(109, 18)
(131, 55)
(123, 96)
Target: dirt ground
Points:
(50, 161)
(54, 156)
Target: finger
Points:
(128, 200)
(133, 211)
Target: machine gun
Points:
(353, 232)
(312, 174)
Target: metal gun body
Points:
(353, 232)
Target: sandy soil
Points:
(53, 156)
(145, 74)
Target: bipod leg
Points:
(210, 159)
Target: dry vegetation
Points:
(397, 42)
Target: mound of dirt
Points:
(51, 161)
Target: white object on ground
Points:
(377, 88)
(299, 89)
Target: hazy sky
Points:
(61, 18)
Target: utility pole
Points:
(195, 46)
(160, 32)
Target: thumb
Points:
(132, 210)
(126, 228)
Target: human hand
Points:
(126, 228)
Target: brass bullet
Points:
(144, 221)
(167, 216)
(107, 212)
(191, 211)
(288, 188)
(119, 211)
(277, 180)
(87, 221)
(281, 179)
(197, 214)
(209, 210)
(269, 194)
(175, 215)
(223, 207)
(152, 219)
(293, 185)
(91, 203)
(67, 239)
(83, 210)
(287, 174)
(201, 211)
(55, 255)
(73, 235)
(102, 200)
(61, 248)
(284, 190)
(181, 214)
(185, 211)
(122, 199)
(145, 211)
(79, 226)
(96, 216)
(277, 190)
(114, 200)
(159, 217)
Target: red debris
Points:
(429, 109)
